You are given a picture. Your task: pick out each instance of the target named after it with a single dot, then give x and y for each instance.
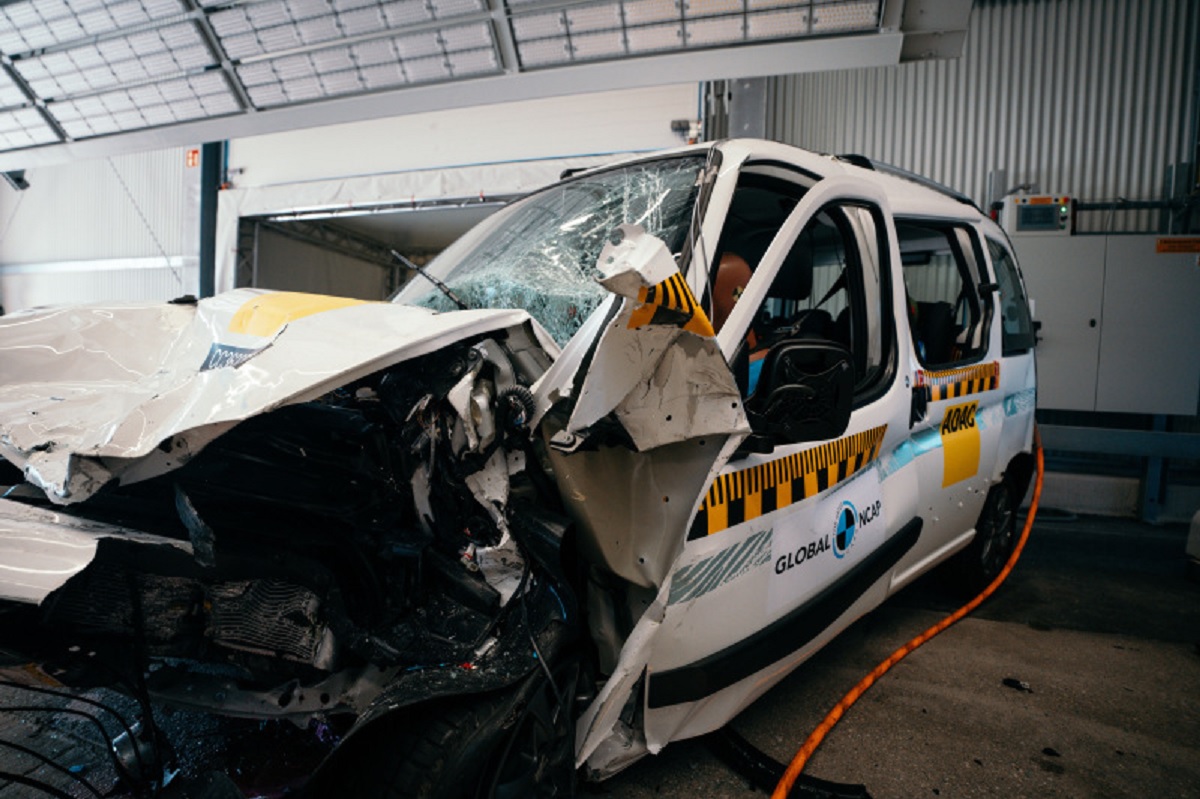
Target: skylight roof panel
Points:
(605, 44)
(444, 9)
(334, 60)
(832, 17)
(264, 15)
(652, 38)
(302, 9)
(367, 20)
(424, 70)
(229, 22)
(293, 68)
(539, 26)
(238, 47)
(544, 52)
(777, 24)
(320, 29)
(708, 8)
(24, 127)
(256, 74)
(66, 30)
(594, 18)
(303, 89)
(341, 82)
(473, 62)
(10, 95)
(123, 14)
(127, 120)
(756, 5)
(382, 76)
(267, 95)
(467, 37)
(284, 37)
(406, 12)
(715, 30)
(379, 51)
(418, 45)
(640, 12)
(158, 115)
(351, 5)
(217, 104)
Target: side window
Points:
(1016, 324)
(829, 287)
(942, 268)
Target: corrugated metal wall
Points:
(76, 218)
(1095, 98)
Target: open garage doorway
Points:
(350, 253)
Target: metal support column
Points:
(1152, 482)
(212, 156)
(748, 108)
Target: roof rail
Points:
(912, 177)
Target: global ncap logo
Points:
(847, 523)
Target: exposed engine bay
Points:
(312, 553)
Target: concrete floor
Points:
(1097, 619)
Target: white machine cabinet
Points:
(1120, 321)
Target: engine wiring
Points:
(784, 788)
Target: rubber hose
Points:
(784, 787)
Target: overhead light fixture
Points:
(711, 8)
(841, 17)
(653, 38)
(715, 30)
(606, 44)
(777, 24)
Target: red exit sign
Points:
(193, 158)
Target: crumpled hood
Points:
(87, 393)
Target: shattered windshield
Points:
(539, 254)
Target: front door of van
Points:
(791, 538)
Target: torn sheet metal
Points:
(657, 366)
(602, 717)
(105, 386)
(41, 549)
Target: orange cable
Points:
(818, 735)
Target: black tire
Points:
(995, 536)
(516, 743)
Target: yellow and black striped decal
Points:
(671, 302)
(954, 383)
(737, 497)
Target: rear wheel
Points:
(995, 537)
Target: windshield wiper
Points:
(442, 287)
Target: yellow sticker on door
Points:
(960, 443)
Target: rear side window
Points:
(1016, 324)
(942, 269)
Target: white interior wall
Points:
(583, 124)
(118, 228)
(290, 265)
(487, 151)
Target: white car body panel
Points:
(735, 565)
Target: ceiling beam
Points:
(779, 58)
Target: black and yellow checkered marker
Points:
(737, 497)
(954, 383)
(671, 302)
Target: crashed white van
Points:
(596, 479)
